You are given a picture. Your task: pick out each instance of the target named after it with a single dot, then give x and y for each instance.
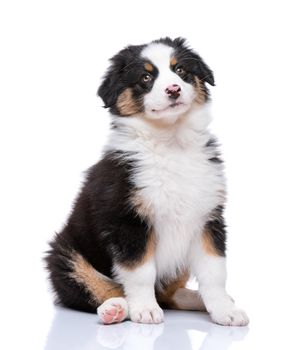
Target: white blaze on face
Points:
(157, 102)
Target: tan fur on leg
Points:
(187, 299)
(99, 286)
(176, 296)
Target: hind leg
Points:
(184, 299)
(176, 296)
(113, 310)
(76, 283)
(106, 293)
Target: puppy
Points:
(150, 212)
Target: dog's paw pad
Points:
(113, 310)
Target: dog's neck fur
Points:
(131, 132)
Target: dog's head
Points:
(158, 80)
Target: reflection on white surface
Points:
(181, 330)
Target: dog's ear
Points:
(114, 80)
(193, 61)
(201, 69)
(110, 86)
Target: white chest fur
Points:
(177, 182)
(180, 187)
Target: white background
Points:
(53, 127)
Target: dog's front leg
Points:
(209, 268)
(138, 283)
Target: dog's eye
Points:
(146, 78)
(180, 71)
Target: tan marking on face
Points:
(149, 67)
(126, 104)
(200, 93)
(147, 255)
(99, 286)
(173, 61)
(208, 243)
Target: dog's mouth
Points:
(171, 106)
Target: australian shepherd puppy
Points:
(150, 212)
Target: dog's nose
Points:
(173, 91)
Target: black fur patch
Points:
(212, 142)
(103, 227)
(217, 229)
(215, 155)
(216, 159)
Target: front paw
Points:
(229, 315)
(142, 313)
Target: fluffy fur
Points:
(151, 210)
